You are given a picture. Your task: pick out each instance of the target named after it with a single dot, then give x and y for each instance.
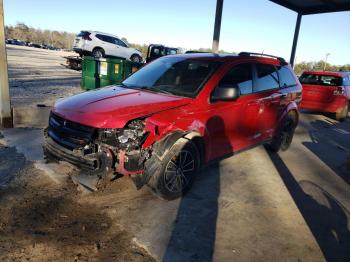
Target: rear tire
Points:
(177, 171)
(136, 58)
(98, 53)
(283, 139)
(342, 114)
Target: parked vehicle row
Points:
(175, 115)
(30, 44)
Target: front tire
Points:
(342, 114)
(177, 171)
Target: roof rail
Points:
(281, 59)
(195, 52)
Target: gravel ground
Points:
(46, 221)
(37, 76)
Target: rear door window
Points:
(120, 42)
(286, 77)
(106, 38)
(241, 76)
(267, 78)
(101, 37)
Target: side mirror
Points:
(225, 93)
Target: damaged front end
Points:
(126, 146)
(99, 151)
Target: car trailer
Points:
(73, 62)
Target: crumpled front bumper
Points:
(52, 149)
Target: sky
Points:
(254, 25)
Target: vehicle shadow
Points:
(330, 143)
(324, 215)
(194, 229)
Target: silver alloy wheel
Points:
(98, 54)
(136, 59)
(178, 171)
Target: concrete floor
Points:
(255, 206)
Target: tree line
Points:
(54, 38)
(319, 66)
(65, 40)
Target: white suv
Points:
(101, 44)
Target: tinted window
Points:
(110, 39)
(322, 80)
(241, 76)
(267, 78)
(106, 38)
(174, 75)
(120, 42)
(286, 77)
(101, 37)
(346, 80)
(171, 52)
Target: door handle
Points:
(256, 102)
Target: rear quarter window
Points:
(286, 77)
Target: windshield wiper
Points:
(124, 85)
(156, 88)
(150, 88)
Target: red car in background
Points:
(326, 92)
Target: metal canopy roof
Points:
(308, 7)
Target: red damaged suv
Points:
(326, 92)
(175, 115)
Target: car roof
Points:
(99, 32)
(328, 73)
(225, 57)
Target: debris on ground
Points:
(40, 218)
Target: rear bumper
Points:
(334, 106)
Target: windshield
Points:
(173, 75)
(322, 80)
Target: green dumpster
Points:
(100, 72)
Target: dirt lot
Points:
(255, 206)
(45, 221)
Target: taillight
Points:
(340, 91)
(87, 37)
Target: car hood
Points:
(114, 106)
